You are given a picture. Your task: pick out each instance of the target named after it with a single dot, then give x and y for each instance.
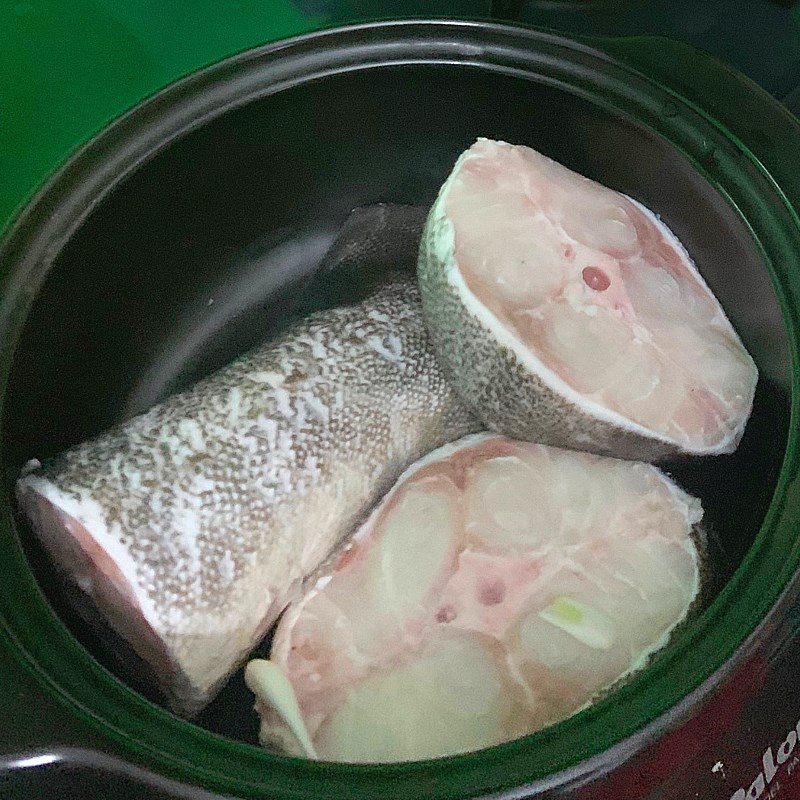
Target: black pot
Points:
(228, 187)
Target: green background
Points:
(67, 67)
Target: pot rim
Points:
(616, 727)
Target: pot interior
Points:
(191, 260)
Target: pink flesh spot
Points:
(489, 591)
(596, 279)
(347, 557)
(446, 614)
(492, 593)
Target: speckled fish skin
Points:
(193, 525)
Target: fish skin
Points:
(194, 524)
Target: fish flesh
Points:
(499, 587)
(192, 526)
(569, 314)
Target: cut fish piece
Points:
(192, 526)
(567, 313)
(524, 580)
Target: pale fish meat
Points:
(499, 587)
(569, 314)
(192, 525)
